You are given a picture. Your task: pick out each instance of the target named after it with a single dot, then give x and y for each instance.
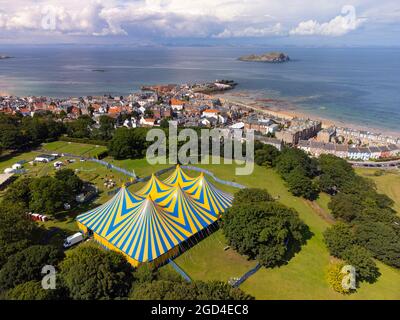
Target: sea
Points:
(352, 85)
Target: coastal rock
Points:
(272, 57)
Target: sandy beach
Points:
(285, 109)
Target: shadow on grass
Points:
(294, 247)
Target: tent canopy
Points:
(159, 217)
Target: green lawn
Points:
(387, 183)
(79, 149)
(302, 278)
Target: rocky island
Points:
(272, 57)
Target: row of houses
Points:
(366, 137)
(299, 129)
(316, 148)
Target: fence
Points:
(111, 166)
(147, 178)
(179, 270)
(249, 273)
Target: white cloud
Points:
(251, 32)
(148, 19)
(338, 26)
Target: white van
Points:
(74, 239)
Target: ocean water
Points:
(360, 86)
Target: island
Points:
(271, 57)
(4, 57)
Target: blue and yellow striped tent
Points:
(149, 226)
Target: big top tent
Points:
(149, 226)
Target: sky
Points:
(201, 22)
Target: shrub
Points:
(335, 277)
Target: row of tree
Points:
(368, 227)
(18, 132)
(294, 166)
(91, 273)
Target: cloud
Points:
(338, 26)
(55, 18)
(253, 32)
(163, 19)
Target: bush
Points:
(335, 277)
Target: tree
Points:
(36, 129)
(218, 290)
(162, 290)
(90, 273)
(27, 265)
(381, 239)
(164, 123)
(300, 185)
(251, 195)
(197, 290)
(48, 195)
(266, 156)
(70, 179)
(16, 231)
(107, 127)
(361, 259)
(291, 158)
(19, 192)
(128, 143)
(335, 173)
(345, 206)
(31, 290)
(11, 137)
(266, 231)
(338, 238)
(80, 128)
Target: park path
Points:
(327, 217)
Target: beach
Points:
(285, 109)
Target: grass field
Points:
(304, 275)
(388, 183)
(79, 149)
